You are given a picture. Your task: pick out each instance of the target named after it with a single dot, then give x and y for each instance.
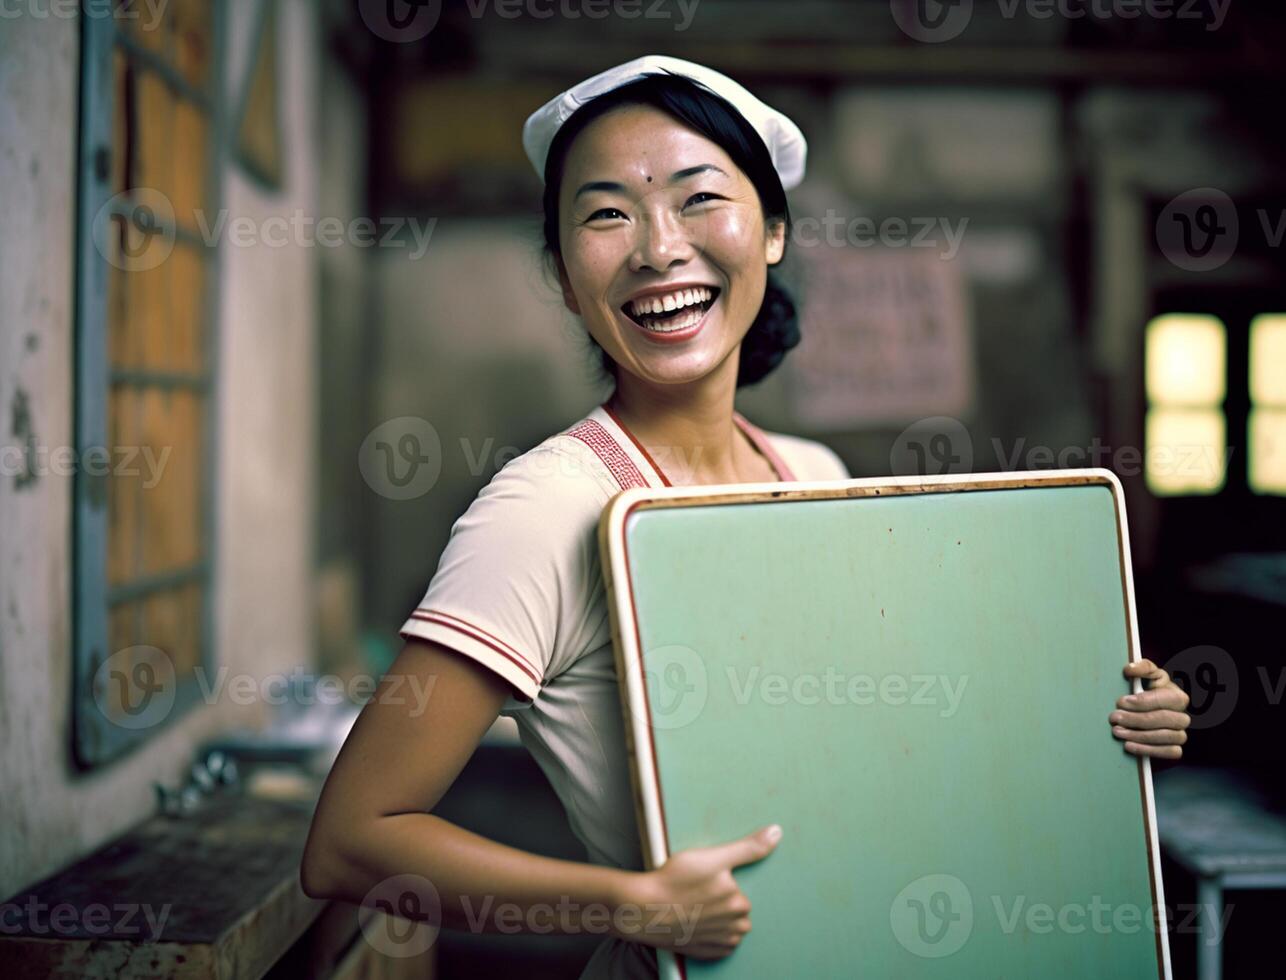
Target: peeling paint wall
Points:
(50, 814)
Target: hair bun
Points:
(774, 332)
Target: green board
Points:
(913, 678)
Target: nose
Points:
(662, 241)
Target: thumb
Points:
(752, 847)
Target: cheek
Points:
(734, 239)
(593, 261)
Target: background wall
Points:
(49, 812)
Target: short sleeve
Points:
(832, 465)
(517, 571)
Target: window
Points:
(151, 127)
(1266, 428)
(1185, 371)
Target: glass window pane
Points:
(1186, 450)
(149, 302)
(172, 623)
(124, 344)
(190, 154)
(186, 287)
(112, 693)
(1185, 358)
(1268, 360)
(155, 138)
(170, 499)
(1267, 439)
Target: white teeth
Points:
(671, 301)
(680, 322)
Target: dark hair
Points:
(775, 329)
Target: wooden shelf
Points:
(214, 894)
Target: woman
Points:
(665, 210)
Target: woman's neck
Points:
(689, 429)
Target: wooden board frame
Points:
(649, 806)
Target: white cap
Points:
(785, 142)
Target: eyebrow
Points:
(613, 187)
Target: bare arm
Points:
(374, 822)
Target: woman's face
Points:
(647, 205)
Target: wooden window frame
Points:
(97, 739)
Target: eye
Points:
(701, 194)
(605, 214)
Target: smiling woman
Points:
(665, 211)
(718, 219)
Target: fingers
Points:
(709, 950)
(1154, 699)
(721, 927)
(1156, 736)
(1150, 719)
(751, 848)
(1147, 670)
(1158, 679)
(1154, 751)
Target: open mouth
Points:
(686, 308)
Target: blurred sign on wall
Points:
(887, 339)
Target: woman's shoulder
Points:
(808, 459)
(562, 473)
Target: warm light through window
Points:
(1186, 450)
(1267, 438)
(1185, 364)
(1268, 360)
(1185, 360)
(1266, 435)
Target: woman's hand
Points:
(692, 904)
(1153, 722)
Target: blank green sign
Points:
(916, 688)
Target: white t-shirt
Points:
(519, 589)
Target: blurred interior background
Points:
(274, 310)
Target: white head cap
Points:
(786, 144)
